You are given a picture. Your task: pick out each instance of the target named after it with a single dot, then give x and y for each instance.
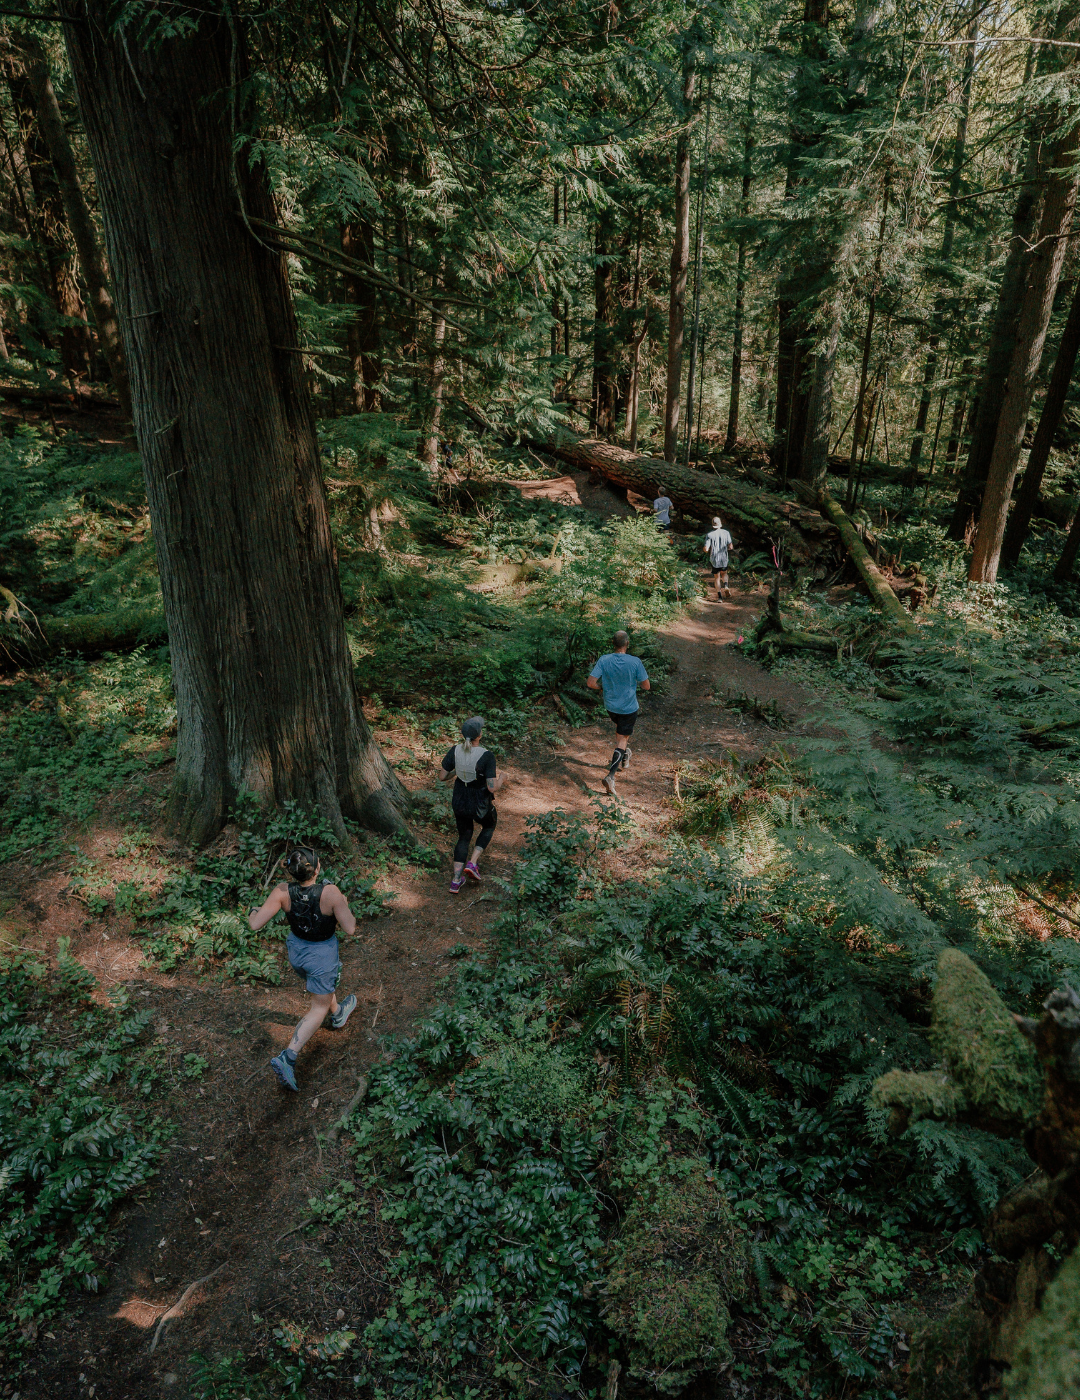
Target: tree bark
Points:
(1027, 498)
(992, 382)
(62, 284)
(79, 219)
(429, 438)
(698, 251)
(1044, 271)
(358, 241)
(265, 696)
(732, 435)
(680, 257)
(1065, 565)
(956, 428)
(638, 338)
(959, 146)
(603, 384)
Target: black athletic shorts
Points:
(624, 724)
(719, 571)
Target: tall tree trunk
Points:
(554, 292)
(992, 382)
(959, 146)
(265, 696)
(858, 431)
(362, 339)
(956, 429)
(814, 458)
(732, 434)
(429, 439)
(62, 285)
(1044, 270)
(1065, 565)
(1027, 498)
(680, 257)
(639, 336)
(603, 383)
(79, 219)
(699, 249)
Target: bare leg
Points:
(320, 1005)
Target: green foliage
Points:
(945, 1352)
(71, 1146)
(70, 734)
(544, 1103)
(1047, 1361)
(679, 1261)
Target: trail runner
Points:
(315, 910)
(662, 508)
(619, 674)
(472, 768)
(718, 547)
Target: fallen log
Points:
(88, 635)
(877, 584)
(756, 517)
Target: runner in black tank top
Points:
(314, 908)
(475, 783)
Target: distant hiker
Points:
(718, 547)
(473, 769)
(619, 674)
(662, 508)
(315, 910)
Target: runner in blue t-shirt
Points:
(619, 675)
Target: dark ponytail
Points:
(302, 863)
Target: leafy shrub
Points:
(70, 1145)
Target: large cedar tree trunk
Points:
(740, 271)
(680, 259)
(1027, 498)
(264, 687)
(1044, 270)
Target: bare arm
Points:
(446, 775)
(645, 685)
(339, 907)
(592, 683)
(494, 784)
(259, 918)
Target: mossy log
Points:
(88, 635)
(754, 516)
(877, 584)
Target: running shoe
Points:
(625, 762)
(456, 883)
(608, 783)
(344, 1011)
(472, 871)
(284, 1071)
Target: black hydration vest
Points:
(305, 917)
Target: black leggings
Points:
(465, 825)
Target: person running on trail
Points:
(619, 674)
(315, 910)
(718, 547)
(662, 508)
(475, 782)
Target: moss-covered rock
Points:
(946, 1352)
(931, 1094)
(679, 1261)
(1046, 1364)
(993, 1066)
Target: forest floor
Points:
(231, 1197)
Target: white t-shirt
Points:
(662, 510)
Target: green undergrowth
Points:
(71, 734)
(709, 1036)
(75, 1136)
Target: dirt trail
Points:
(237, 1176)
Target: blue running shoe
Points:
(344, 1011)
(284, 1071)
